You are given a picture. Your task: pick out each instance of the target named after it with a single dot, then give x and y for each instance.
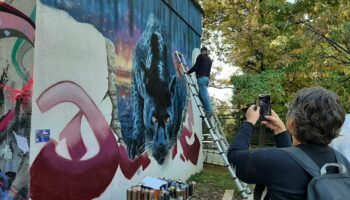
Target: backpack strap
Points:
(303, 160)
(342, 160)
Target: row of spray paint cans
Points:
(171, 191)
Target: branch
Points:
(250, 39)
(221, 87)
(337, 59)
(347, 44)
(253, 69)
(333, 43)
(337, 46)
(340, 61)
(343, 81)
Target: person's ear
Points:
(290, 125)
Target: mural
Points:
(17, 31)
(51, 168)
(122, 23)
(157, 104)
(144, 114)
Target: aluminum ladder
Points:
(214, 128)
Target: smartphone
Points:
(265, 105)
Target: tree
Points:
(282, 47)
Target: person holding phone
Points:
(314, 120)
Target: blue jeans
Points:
(203, 83)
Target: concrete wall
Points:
(17, 31)
(110, 104)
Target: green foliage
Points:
(281, 47)
(267, 82)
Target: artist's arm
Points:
(196, 65)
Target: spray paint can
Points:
(138, 189)
(161, 195)
(151, 195)
(166, 195)
(184, 196)
(179, 194)
(190, 189)
(173, 191)
(133, 194)
(128, 194)
(146, 194)
(194, 187)
(184, 187)
(187, 191)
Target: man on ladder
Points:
(202, 68)
(203, 72)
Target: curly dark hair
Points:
(318, 115)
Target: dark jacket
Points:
(202, 66)
(272, 167)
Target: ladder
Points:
(213, 126)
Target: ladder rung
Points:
(207, 135)
(207, 141)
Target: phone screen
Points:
(265, 105)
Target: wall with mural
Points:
(17, 30)
(110, 103)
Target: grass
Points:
(212, 182)
(214, 174)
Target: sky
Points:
(226, 73)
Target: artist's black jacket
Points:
(202, 66)
(272, 167)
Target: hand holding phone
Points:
(275, 123)
(265, 106)
(252, 115)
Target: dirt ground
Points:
(209, 191)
